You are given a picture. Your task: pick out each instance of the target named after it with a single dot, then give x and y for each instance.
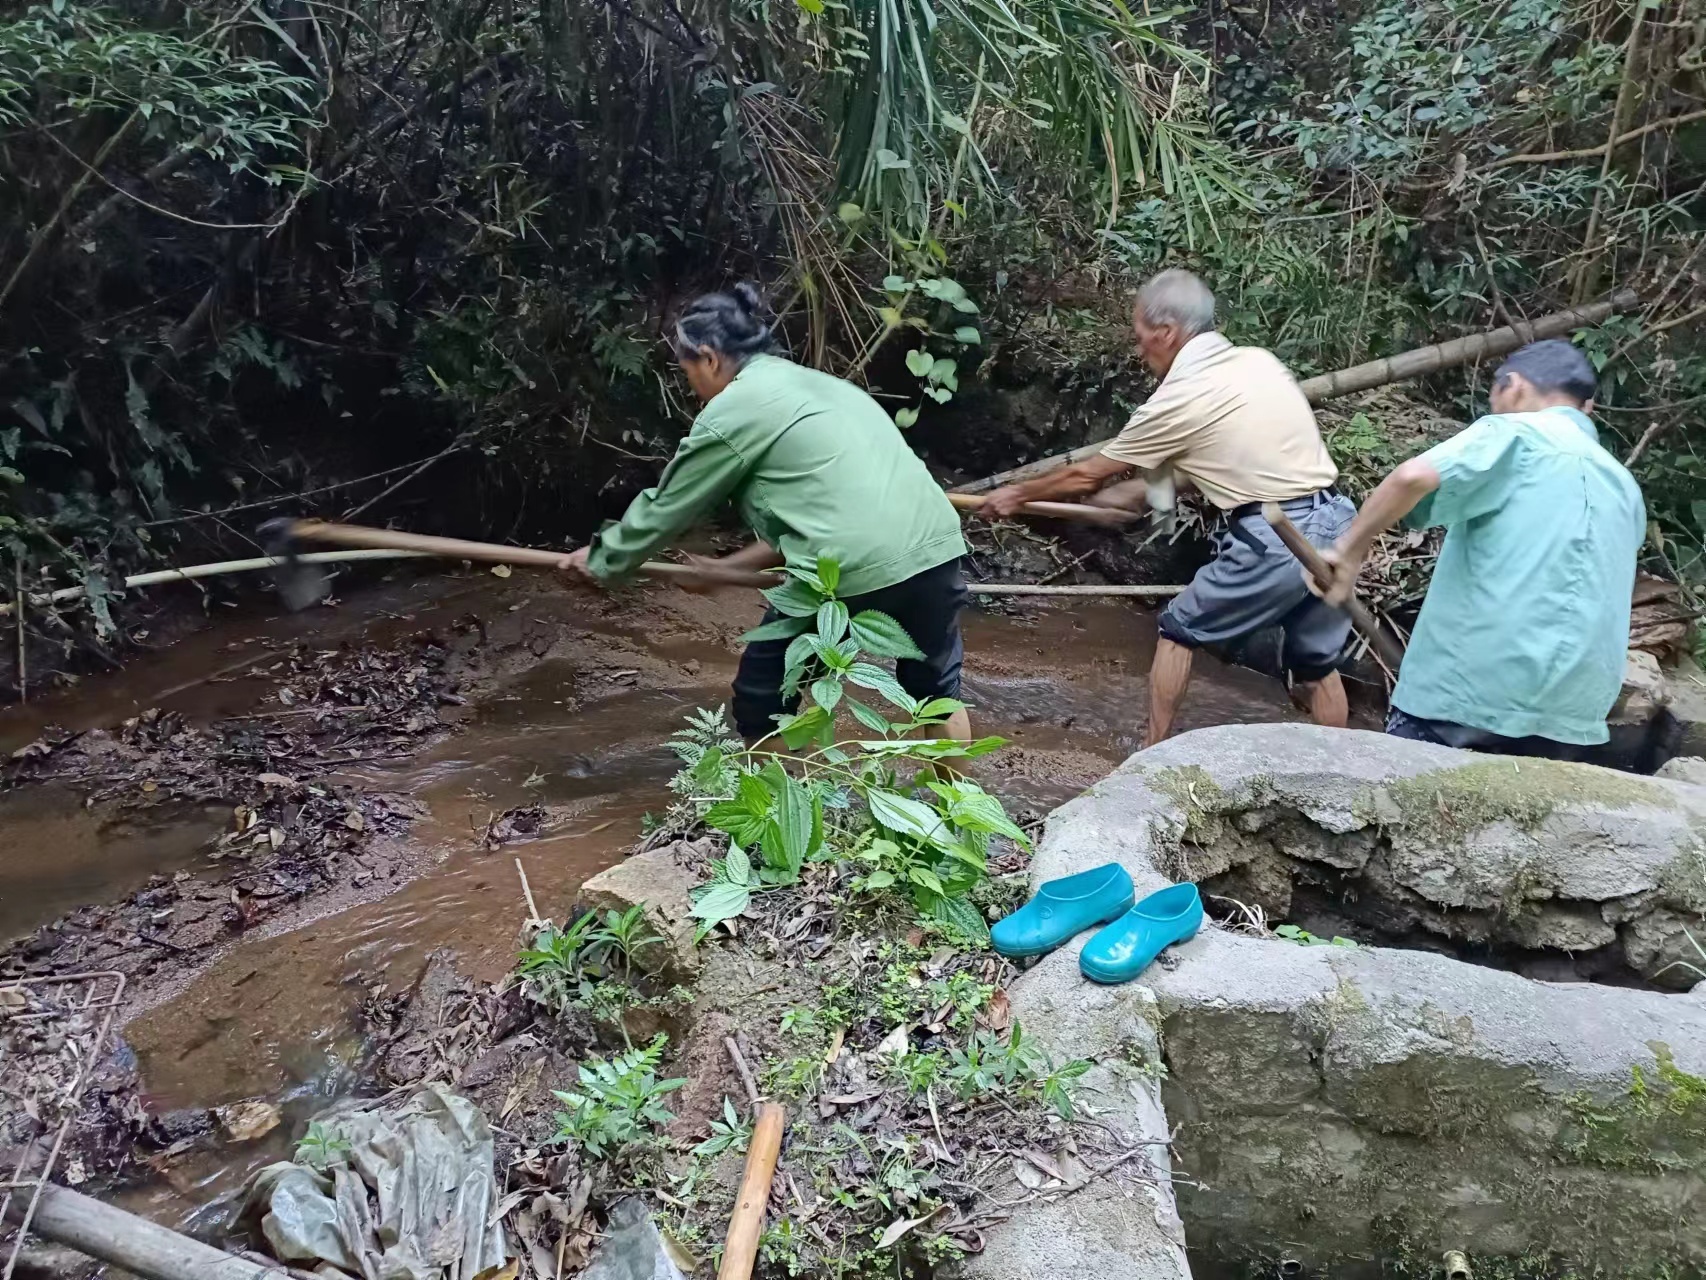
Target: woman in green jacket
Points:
(817, 468)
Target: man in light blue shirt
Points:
(1521, 643)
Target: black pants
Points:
(927, 605)
(1445, 733)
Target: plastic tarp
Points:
(412, 1197)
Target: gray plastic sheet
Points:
(411, 1199)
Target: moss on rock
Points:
(1453, 802)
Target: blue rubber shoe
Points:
(1126, 947)
(1063, 908)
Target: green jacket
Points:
(817, 469)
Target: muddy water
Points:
(572, 719)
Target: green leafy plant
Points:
(321, 1147)
(1292, 933)
(730, 1133)
(619, 1103)
(929, 841)
(559, 960)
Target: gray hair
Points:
(1178, 298)
(731, 324)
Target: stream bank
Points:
(537, 730)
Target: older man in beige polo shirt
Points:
(1232, 421)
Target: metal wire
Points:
(86, 1003)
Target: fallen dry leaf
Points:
(895, 1042)
(500, 571)
(246, 1121)
(509, 1271)
(898, 1229)
(274, 780)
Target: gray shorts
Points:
(1250, 604)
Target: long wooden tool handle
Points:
(746, 1224)
(357, 535)
(1306, 552)
(1112, 517)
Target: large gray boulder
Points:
(1340, 1103)
(1119, 1223)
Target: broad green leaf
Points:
(779, 629)
(897, 284)
(925, 879)
(978, 810)
(876, 632)
(919, 362)
(829, 573)
(830, 655)
(983, 746)
(848, 212)
(945, 371)
(794, 598)
(908, 817)
(832, 621)
(826, 692)
(960, 914)
(877, 680)
(938, 708)
(794, 825)
(905, 417)
(799, 652)
(879, 880)
(739, 866)
(807, 576)
(867, 717)
(710, 767)
(798, 730)
(741, 824)
(721, 901)
(968, 335)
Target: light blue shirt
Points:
(1525, 629)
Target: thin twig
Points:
(289, 497)
(456, 447)
(744, 1071)
(23, 646)
(533, 916)
(1585, 153)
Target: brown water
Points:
(579, 729)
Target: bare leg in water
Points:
(1325, 701)
(1170, 676)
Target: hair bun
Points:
(751, 300)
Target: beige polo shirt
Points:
(1233, 422)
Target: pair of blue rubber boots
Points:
(1125, 948)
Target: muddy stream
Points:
(570, 711)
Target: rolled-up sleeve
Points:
(705, 470)
(1476, 467)
(1159, 431)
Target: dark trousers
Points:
(1445, 733)
(927, 605)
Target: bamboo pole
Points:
(1376, 373)
(746, 1225)
(143, 1248)
(1110, 517)
(191, 572)
(651, 568)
